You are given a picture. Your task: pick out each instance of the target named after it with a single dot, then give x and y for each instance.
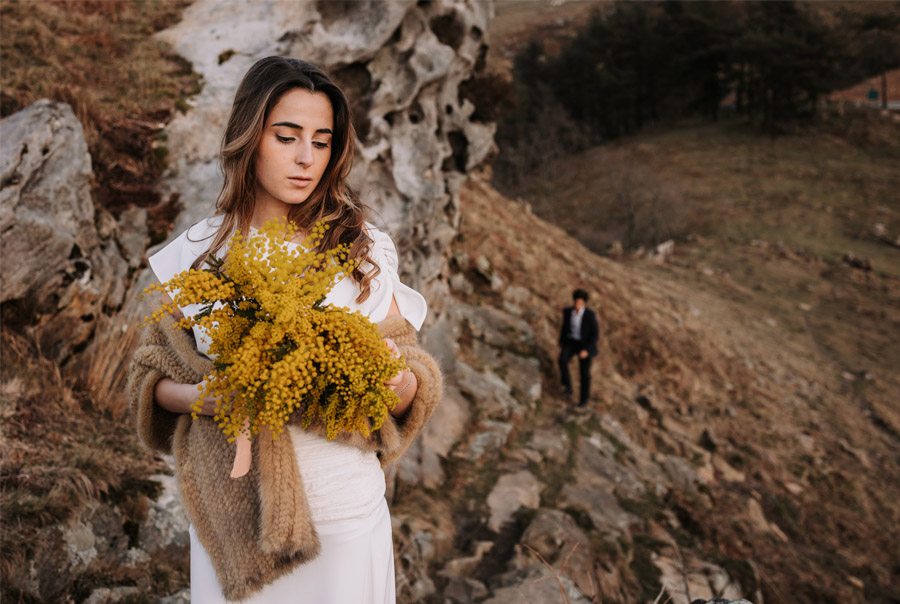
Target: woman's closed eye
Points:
(289, 139)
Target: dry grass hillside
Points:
(61, 50)
(799, 454)
(744, 395)
(516, 22)
(64, 457)
(800, 233)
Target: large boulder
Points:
(62, 267)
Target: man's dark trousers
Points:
(569, 348)
(588, 334)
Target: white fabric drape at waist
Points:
(341, 481)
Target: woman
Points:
(319, 528)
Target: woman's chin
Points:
(293, 199)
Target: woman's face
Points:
(294, 150)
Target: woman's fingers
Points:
(397, 380)
(209, 401)
(393, 346)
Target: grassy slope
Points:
(61, 455)
(777, 217)
(821, 461)
(123, 85)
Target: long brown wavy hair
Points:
(333, 200)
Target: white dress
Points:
(344, 485)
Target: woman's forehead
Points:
(303, 109)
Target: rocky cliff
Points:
(704, 466)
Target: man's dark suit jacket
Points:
(590, 329)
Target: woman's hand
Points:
(404, 383)
(209, 402)
(400, 379)
(179, 398)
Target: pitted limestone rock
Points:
(401, 64)
(58, 267)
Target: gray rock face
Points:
(182, 597)
(166, 524)
(400, 64)
(493, 394)
(56, 263)
(696, 580)
(555, 536)
(598, 482)
(108, 595)
(512, 491)
(422, 462)
(487, 436)
(45, 196)
(551, 444)
(538, 585)
(417, 542)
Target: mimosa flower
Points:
(279, 349)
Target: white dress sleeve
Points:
(411, 303)
(177, 256)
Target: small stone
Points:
(727, 471)
(615, 249)
(483, 267)
(793, 488)
(490, 436)
(80, 544)
(460, 285)
(181, 597)
(512, 491)
(463, 590)
(459, 567)
(109, 595)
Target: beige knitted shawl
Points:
(257, 527)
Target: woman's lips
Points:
(300, 182)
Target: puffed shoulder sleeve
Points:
(411, 303)
(169, 260)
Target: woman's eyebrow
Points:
(293, 125)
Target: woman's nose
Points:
(304, 154)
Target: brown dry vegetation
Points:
(716, 338)
(62, 455)
(814, 432)
(123, 85)
(771, 219)
(822, 190)
(516, 22)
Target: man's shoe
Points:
(582, 404)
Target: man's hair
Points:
(579, 293)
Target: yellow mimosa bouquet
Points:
(278, 348)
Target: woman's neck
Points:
(263, 212)
(262, 215)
